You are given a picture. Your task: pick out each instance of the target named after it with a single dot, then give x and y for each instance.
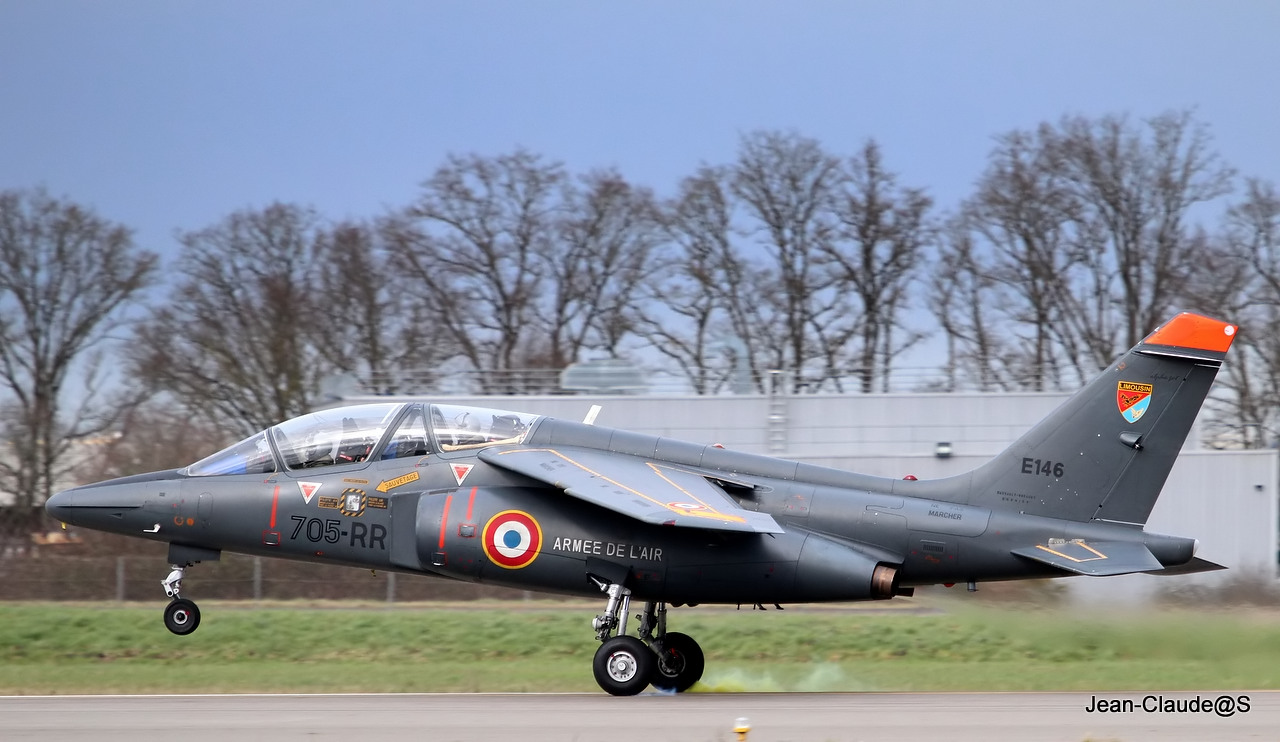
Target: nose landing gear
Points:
(181, 616)
(624, 665)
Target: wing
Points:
(649, 491)
(1097, 558)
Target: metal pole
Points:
(120, 579)
(257, 579)
(391, 587)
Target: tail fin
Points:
(1106, 452)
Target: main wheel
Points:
(679, 664)
(623, 666)
(181, 616)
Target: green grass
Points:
(50, 648)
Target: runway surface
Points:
(774, 717)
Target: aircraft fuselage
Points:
(453, 515)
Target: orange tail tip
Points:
(1195, 332)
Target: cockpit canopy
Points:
(356, 434)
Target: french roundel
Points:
(512, 539)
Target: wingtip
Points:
(1194, 332)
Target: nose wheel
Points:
(181, 616)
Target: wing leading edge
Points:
(649, 491)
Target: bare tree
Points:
(238, 339)
(472, 248)
(882, 234)
(822, 281)
(685, 301)
(787, 185)
(1088, 222)
(373, 331)
(965, 299)
(523, 267)
(1134, 193)
(1239, 277)
(1021, 210)
(607, 233)
(67, 278)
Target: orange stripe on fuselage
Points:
(1193, 331)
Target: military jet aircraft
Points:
(538, 503)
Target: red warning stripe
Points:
(444, 519)
(471, 503)
(1195, 332)
(275, 500)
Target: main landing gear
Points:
(625, 665)
(181, 616)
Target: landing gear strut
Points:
(181, 616)
(624, 665)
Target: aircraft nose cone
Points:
(61, 506)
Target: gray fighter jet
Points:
(532, 502)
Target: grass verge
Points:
(48, 648)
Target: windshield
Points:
(457, 427)
(251, 455)
(343, 435)
(347, 435)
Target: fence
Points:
(39, 575)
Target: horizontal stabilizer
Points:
(1097, 559)
(650, 491)
(1195, 565)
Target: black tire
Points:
(623, 666)
(679, 663)
(181, 616)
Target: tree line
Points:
(1078, 237)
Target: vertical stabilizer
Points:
(1106, 452)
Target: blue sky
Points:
(169, 114)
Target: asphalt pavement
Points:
(773, 717)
